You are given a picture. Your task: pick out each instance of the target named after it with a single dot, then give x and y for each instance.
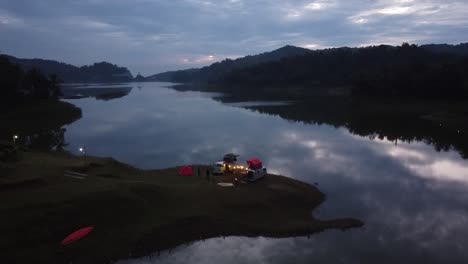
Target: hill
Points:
(218, 70)
(460, 49)
(406, 70)
(18, 85)
(98, 72)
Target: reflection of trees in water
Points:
(367, 121)
(101, 93)
(110, 96)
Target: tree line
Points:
(383, 70)
(97, 72)
(19, 85)
(218, 70)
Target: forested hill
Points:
(460, 49)
(98, 72)
(220, 69)
(18, 86)
(377, 70)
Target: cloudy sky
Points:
(150, 36)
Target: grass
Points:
(138, 212)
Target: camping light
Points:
(15, 137)
(82, 150)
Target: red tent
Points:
(77, 235)
(254, 163)
(186, 171)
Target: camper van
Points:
(229, 163)
(218, 168)
(221, 167)
(254, 170)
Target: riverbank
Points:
(138, 212)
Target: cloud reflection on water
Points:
(411, 197)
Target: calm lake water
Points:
(413, 199)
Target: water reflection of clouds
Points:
(409, 195)
(425, 162)
(240, 249)
(444, 170)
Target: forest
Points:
(426, 71)
(97, 72)
(406, 70)
(18, 85)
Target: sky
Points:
(151, 36)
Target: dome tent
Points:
(186, 171)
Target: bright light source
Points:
(82, 150)
(15, 137)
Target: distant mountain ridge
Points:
(219, 69)
(406, 70)
(98, 72)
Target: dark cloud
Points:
(156, 35)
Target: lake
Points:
(412, 198)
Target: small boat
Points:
(77, 235)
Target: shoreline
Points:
(37, 116)
(137, 212)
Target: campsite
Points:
(133, 212)
(234, 132)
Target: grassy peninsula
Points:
(47, 194)
(138, 212)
